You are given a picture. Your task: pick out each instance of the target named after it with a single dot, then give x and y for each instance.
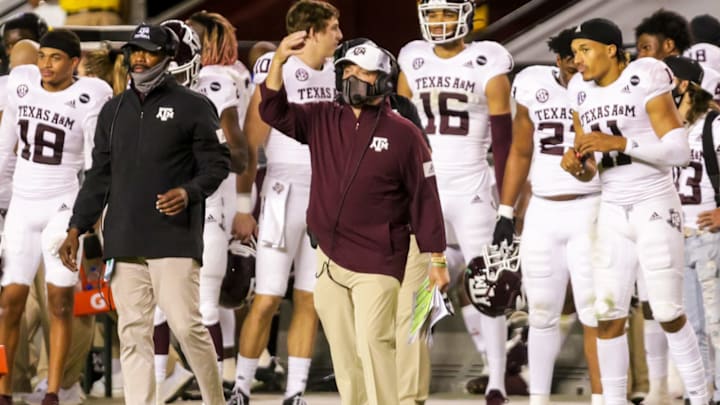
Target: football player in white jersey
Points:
(706, 41)
(550, 252)
(26, 26)
(221, 89)
(462, 93)
(282, 236)
(662, 34)
(53, 115)
(700, 211)
(227, 83)
(705, 31)
(627, 127)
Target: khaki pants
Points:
(357, 312)
(172, 284)
(413, 359)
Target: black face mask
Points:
(357, 92)
(677, 96)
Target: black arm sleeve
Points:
(212, 157)
(407, 110)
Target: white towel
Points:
(273, 213)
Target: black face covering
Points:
(357, 92)
(677, 96)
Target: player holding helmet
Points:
(459, 89)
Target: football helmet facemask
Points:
(451, 30)
(493, 280)
(186, 64)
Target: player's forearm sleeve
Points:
(672, 150)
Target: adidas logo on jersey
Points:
(210, 219)
(468, 64)
(476, 200)
(63, 207)
(655, 216)
(70, 103)
(626, 89)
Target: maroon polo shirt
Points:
(372, 185)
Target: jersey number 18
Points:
(40, 142)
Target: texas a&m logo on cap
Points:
(359, 50)
(142, 32)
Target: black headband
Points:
(61, 42)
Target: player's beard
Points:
(147, 80)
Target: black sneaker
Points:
(238, 398)
(495, 397)
(51, 398)
(296, 399)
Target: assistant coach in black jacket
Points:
(157, 156)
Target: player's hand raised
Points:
(292, 44)
(172, 202)
(69, 249)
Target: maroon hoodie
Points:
(372, 185)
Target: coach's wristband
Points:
(244, 203)
(506, 211)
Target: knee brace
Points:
(665, 310)
(542, 318)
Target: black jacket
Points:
(143, 149)
(403, 106)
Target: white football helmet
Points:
(187, 62)
(465, 10)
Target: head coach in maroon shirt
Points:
(373, 184)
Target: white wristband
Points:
(244, 203)
(506, 211)
(630, 145)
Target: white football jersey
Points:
(692, 182)
(3, 95)
(303, 84)
(708, 55)
(711, 82)
(538, 89)
(55, 131)
(450, 97)
(619, 109)
(245, 88)
(220, 84)
(7, 173)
